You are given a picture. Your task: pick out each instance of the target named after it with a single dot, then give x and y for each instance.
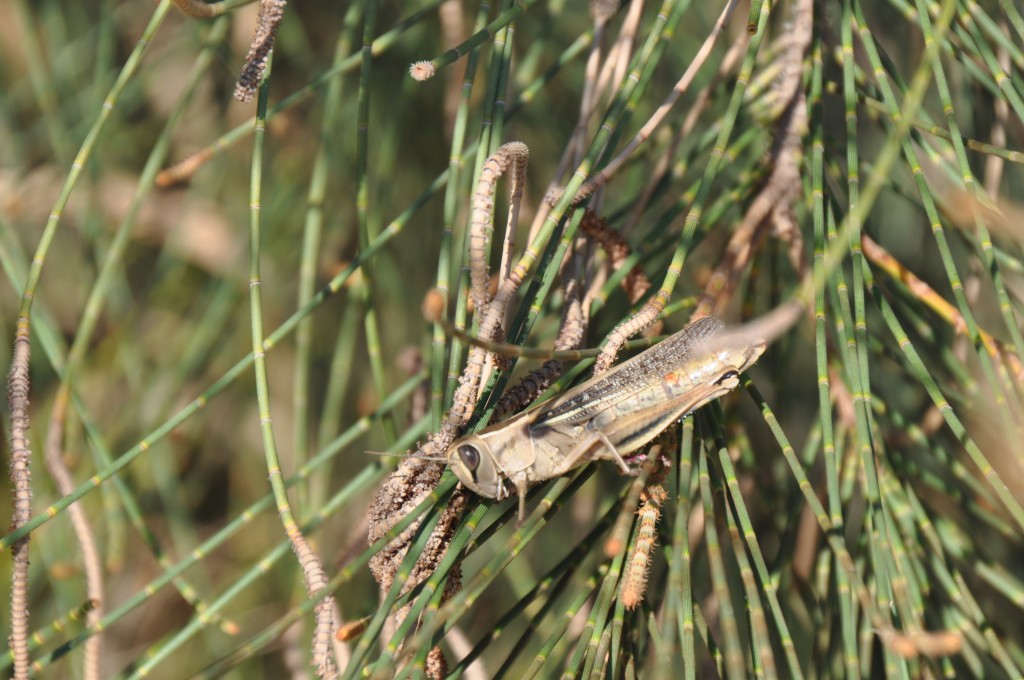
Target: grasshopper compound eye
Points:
(469, 456)
(473, 462)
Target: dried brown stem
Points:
(773, 205)
(417, 475)
(574, 320)
(619, 534)
(183, 170)
(573, 152)
(648, 492)
(91, 562)
(451, 17)
(593, 89)
(481, 224)
(595, 85)
(404, 489)
(323, 611)
(465, 396)
(1000, 115)
(270, 16)
(617, 249)
(617, 63)
(693, 113)
(570, 335)
(638, 562)
(400, 493)
(618, 337)
(636, 284)
(18, 390)
(196, 9)
(681, 86)
(607, 172)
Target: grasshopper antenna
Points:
(388, 454)
(433, 311)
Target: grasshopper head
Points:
(474, 464)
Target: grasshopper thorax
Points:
(473, 462)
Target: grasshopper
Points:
(606, 418)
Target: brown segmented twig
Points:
(514, 155)
(574, 321)
(682, 85)
(510, 350)
(617, 537)
(270, 16)
(773, 205)
(636, 283)
(418, 474)
(570, 336)
(18, 390)
(201, 10)
(183, 170)
(404, 489)
(647, 315)
(600, 11)
(91, 562)
(617, 64)
(638, 562)
(593, 89)
(617, 249)
(490, 318)
(596, 84)
(704, 97)
(997, 137)
(452, 19)
(648, 493)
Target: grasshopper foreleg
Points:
(572, 459)
(521, 490)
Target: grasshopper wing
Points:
(670, 356)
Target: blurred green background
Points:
(151, 279)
